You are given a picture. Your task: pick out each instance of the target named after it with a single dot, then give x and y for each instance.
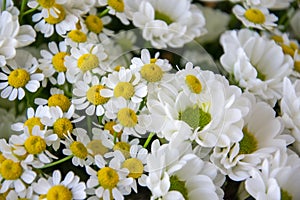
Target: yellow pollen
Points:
(35, 145)
(59, 192)
(77, 36)
(79, 150)
(249, 143)
(153, 60)
(288, 50)
(109, 126)
(277, 38)
(87, 62)
(11, 170)
(97, 147)
(58, 61)
(255, 16)
(93, 95)
(2, 158)
(60, 100)
(151, 72)
(18, 78)
(135, 167)
(118, 5)
(108, 177)
(297, 66)
(46, 3)
(123, 147)
(124, 89)
(294, 46)
(193, 83)
(62, 127)
(94, 23)
(33, 121)
(117, 68)
(127, 117)
(61, 15)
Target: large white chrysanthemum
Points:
(255, 63)
(172, 23)
(13, 36)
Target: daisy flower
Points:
(169, 22)
(78, 149)
(255, 17)
(87, 96)
(117, 8)
(52, 63)
(46, 7)
(32, 146)
(13, 35)
(20, 74)
(55, 188)
(255, 63)
(125, 114)
(124, 83)
(83, 61)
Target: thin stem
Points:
(115, 137)
(103, 13)
(148, 139)
(57, 162)
(4, 5)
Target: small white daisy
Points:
(55, 188)
(117, 8)
(46, 7)
(20, 74)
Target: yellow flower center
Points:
(277, 38)
(297, 66)
(179, 186)
(18, 78)
(93, 95)
(61, 15)
(123, 147)
(97, 147)
(79, 150)
(46, 3)
(4, 195)
(59, 192)
(117, 68)
(58, 61)
(87, 62)
(108, 178)
(94, 23)
(62, 127)
(109, 126)
(124, 89)
(33, 121)
(193, 83)
(284, 195)
(249, 143)
(77, 36)
(118, 5)
(151, 72)
(255, 16)
(127, 117)
(11, 170)
(195, 117)
(288, 50)
(135, 167)
(35, 145)
(162, 16)
(2, 158)
(60, 100)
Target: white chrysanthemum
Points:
(255, 63)
(32, 146)
(25, 194)
(83, 61)
(172, 23)
(117, 8)
(126, 116)
(261, 136)
(13, 36)
(55, 188)
(271, 4)
(278, 178)
(20, 74)
(47, 7)
(255, 17)
(52, 63)
(289, 105)
(124, 83)
(87, 96)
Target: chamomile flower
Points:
(47, 8)
(117, 8)
(169, 22)
(87, 96)
(32, 146)
(20, 74)
(78, 149)
(52, 63)
(255, 17)
(124, 83)
(55, 188)
(84, 60)
(125, 114)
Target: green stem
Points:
(148, 139)
(57, 162)
(4, 5)
(103, 13)
(115, 137)
(23, 4)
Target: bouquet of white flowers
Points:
(149, 99)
